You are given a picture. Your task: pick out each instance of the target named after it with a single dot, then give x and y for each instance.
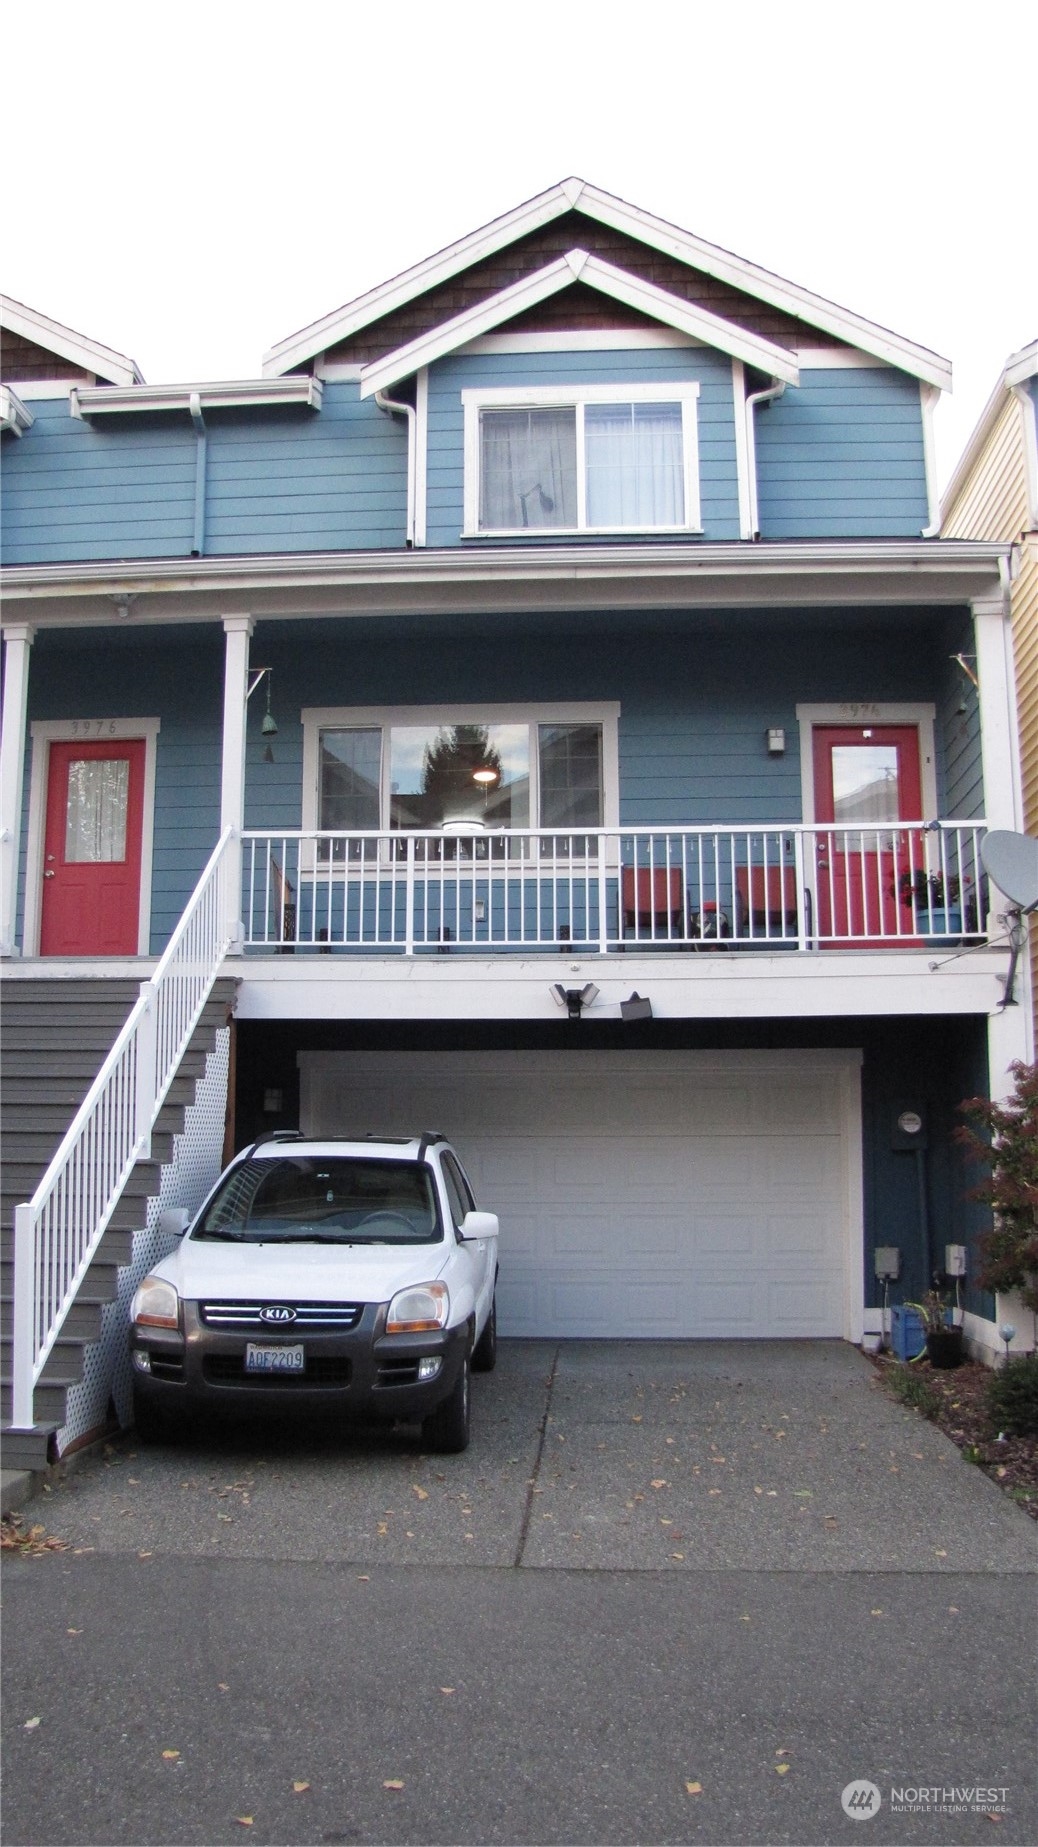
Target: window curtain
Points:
(528, 473)
(635, 465)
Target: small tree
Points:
(1005, 1137)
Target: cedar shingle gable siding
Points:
(22, 360)
(531, 253)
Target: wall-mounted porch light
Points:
(776, 741)
(574, 999)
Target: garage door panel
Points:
(669, 1194)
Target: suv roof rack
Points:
(279, 1135)
(428, 1137)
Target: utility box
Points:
(955, 1260)
(907, 1335)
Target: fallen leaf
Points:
(73, 1632)
(780, 1769)
(693, 1789)
(446, 1689)
(989, 1816)
(713, 1490)
(244, 1821)
(938, 1553)
(30, 1725)
(393, 1782)
(171, 1754)
(224, 1688)
(145, 1555)
(422, 1493)
(744, 1619)
(636, 1420)
(364, 1578)
(783, 1751)
(659, 1483)
(679, 1555)
(299, 1788)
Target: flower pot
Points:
(944, 1348)
(944, 920)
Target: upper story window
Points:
(595, 458)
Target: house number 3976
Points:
(93, 728)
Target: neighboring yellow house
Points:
(993, 494)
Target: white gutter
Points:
(232, 394)
(930, 397)
(396, 407)
(756, 397)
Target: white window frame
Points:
(475, 399)
(316, 719)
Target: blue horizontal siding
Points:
(841, 456)
(276, 481)
(694, 709)
(659, 365)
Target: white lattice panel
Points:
(186, 1179)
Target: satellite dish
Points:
(1012, 861)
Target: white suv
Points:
(355, 1276)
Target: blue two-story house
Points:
(544, 692)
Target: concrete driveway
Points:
(601, 1455)
(747, 1581)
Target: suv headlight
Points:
(419, 1309)
(156, 1304)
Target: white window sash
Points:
(476, 399)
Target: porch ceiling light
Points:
(574, 999)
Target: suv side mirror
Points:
(479, 1225)
(174, 1221)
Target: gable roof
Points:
(1018, 370)
(576, 195)
(594, 273)
(114, 368)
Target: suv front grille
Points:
(308, 1316)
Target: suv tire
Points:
(446, 1431)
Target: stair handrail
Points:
(57, 1232)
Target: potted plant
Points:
(934, 899)
(943, 1336)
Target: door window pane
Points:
(95, 819)
(865, 783)
(528, 473)
(634, 461)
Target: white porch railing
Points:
(603, 890)
(58, 1232)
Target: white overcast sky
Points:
(190, 182)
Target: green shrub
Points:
(1013, 1397)
(914, 1389)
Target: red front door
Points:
(867, 779)
(92, 849)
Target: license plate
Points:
(274, 1359)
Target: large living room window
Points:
(471, 769)
(600, 458)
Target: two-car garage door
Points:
(655, 1194)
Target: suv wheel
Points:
(446, 1431)
(484, 1353)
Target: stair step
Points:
(28, 1449)
(48, 1400)
(82, 1323)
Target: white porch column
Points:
(999, 731)
(237, 631)
(18, 639)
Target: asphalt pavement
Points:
(672, 1592)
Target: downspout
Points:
(395, 407)
(195, 407)
(757, 397)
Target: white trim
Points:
(17, 656)
(45, 732)
(780, 573)
(1029, 437)
(744, 461)
(585, 340)
(232, 394)
(475, 399)
(43, 390)
(75, 347)
(839, 359)
(929, 398)
(14, 415)
(868, 712)
(336, 371)
(999, 719)
(421, 456)
(645, 297)
(602, 206)
(315, 719)
(1021, 366)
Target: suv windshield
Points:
(311, 1199)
